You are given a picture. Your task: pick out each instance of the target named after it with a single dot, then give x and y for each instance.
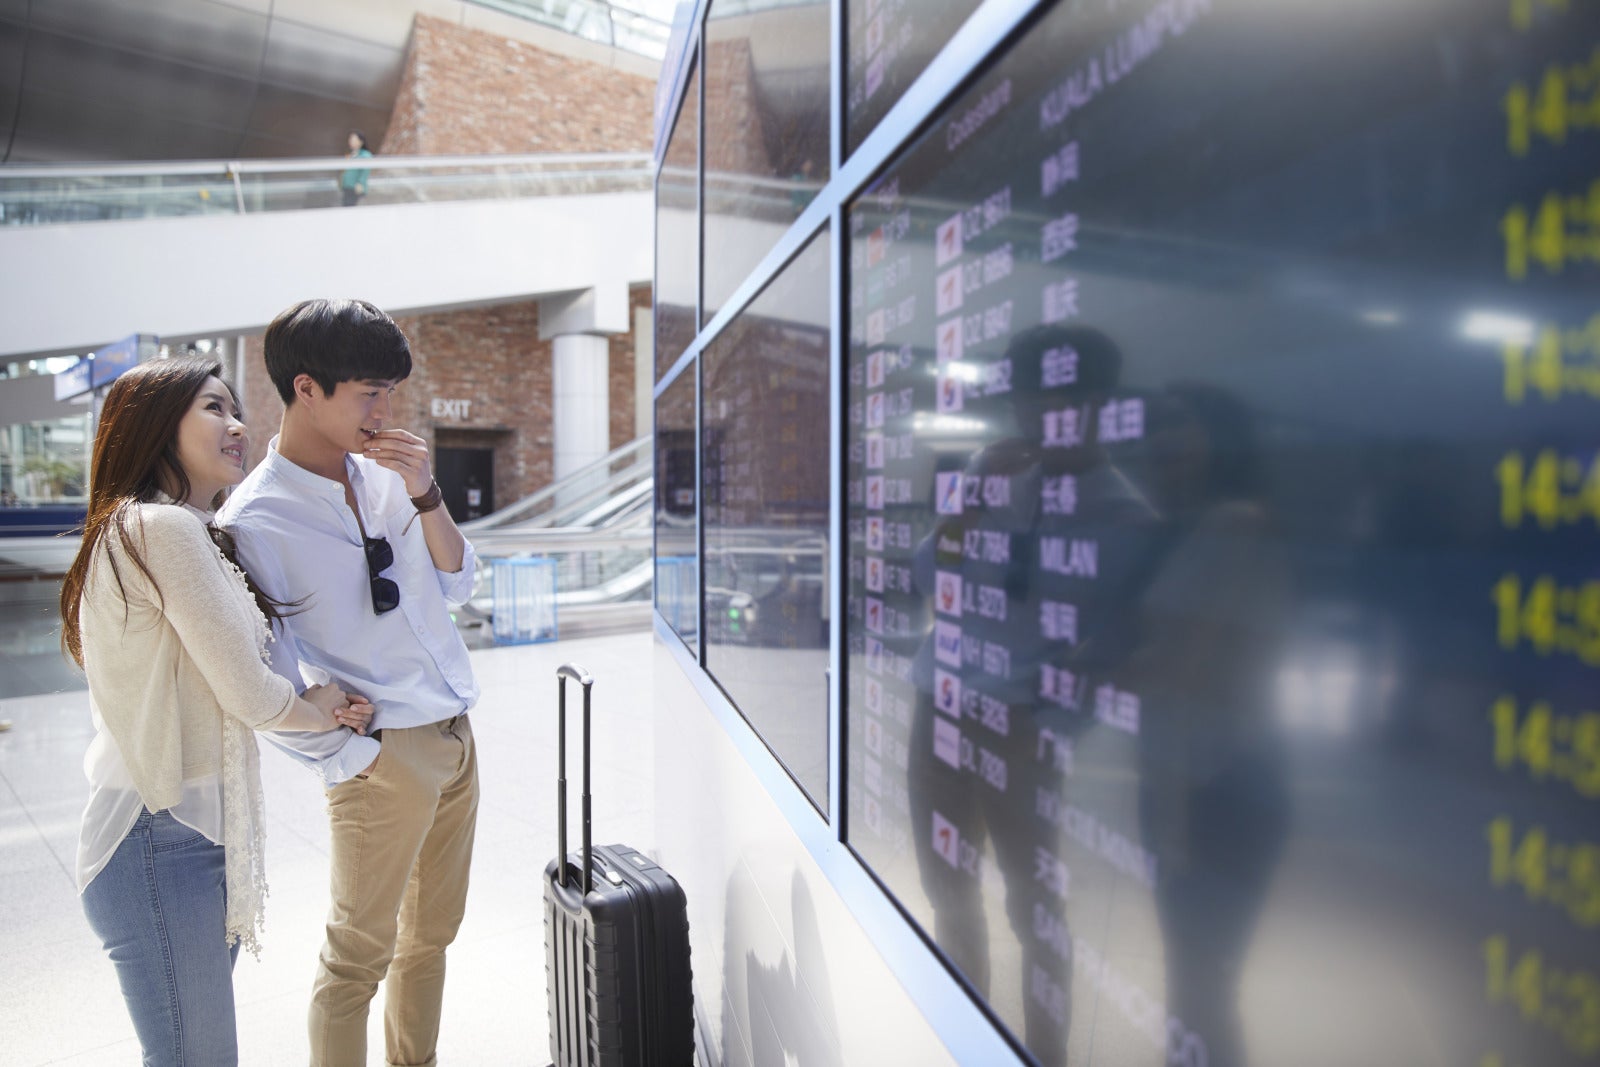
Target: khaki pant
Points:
(402, 846)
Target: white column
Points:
(580, 400)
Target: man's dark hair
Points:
(334, 341)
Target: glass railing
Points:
(50, 194)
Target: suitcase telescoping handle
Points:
(582, 677)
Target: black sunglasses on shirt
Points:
(380, 556)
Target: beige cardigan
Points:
(177, 671)
(163, 675)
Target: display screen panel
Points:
(767, 78)
(677, 580)
(765, 472)
(1223, 606)
(890, 43)
(678, 233)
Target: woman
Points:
(173, 639)
(353, 182)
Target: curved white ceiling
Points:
(197, 79)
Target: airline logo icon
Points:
(874, 35)
(947, 693)
(875, 492)
(874, 816)
(875, 615)
(947, 493)
(874, 655)
(875, 574)
(874, 410)
(948, 243)
(875, 369)
(874, 695)
(875, 327)
(947, 742)
(947, 297)
(951, 396)
(874, 736)
(946, 643)
(948, 341)
(946, 594)
(875, 534)
(875, 452)
(874, 75)
(875, 247)
(874, 771)
(946, 840)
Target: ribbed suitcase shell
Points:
(617, 954)
(617, 964)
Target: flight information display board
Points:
(1223, 533)
(890, 43)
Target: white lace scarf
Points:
(244, 819)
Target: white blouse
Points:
(114, 804)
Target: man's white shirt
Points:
(299, 541)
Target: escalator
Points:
(596, 524)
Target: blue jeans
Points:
(160, 907)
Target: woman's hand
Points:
(340, 708)
(356, 714)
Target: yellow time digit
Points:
(1536, 492)
(1541, 369)
(1587, 616)
(1521, 982)
(1526, 985)
(1541, 238)
(1515, 359)
(1514, 232)
(1586, 754)
(1547, 240)
(1509, 473)
(1495, 959)
(1588, 498)
(1583, 1027)
(1549, 116)
(1544, 112)
(1583, 885)
(1507, 599)
(1525, 740)
(1524, 863)
(1532, 617)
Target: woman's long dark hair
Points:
(135, 459)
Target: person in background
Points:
(173, 636)
(353, 182)
(343, 517)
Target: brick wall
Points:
(735, 124)
(468, 91)
(492, 358)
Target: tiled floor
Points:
(62, 1003)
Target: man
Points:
(342, 523)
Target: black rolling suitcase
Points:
(616, 942)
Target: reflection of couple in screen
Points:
(1180, 611)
